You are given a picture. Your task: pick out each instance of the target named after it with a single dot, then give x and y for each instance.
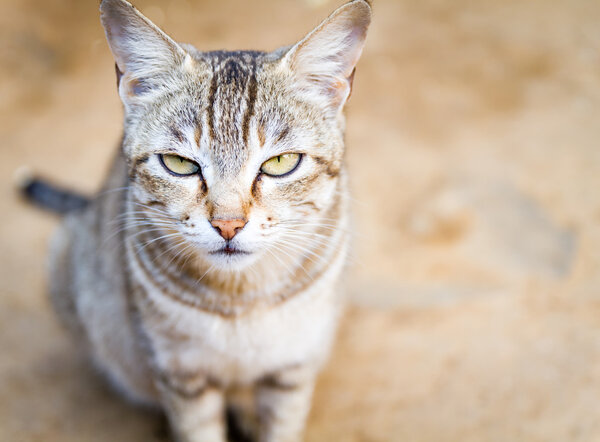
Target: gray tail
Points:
(49, 196)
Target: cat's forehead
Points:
(235, 103)
(230, 104)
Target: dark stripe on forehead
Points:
(284, 133)
(212, 93)
(234, 83)
(234, 73)
(198, 134)
(261, 135)
(252, 87)
(176, 132)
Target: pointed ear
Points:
(324, 61)
(144, 55)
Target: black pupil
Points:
(279, 159)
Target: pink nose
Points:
(228, 228)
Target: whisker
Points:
(133, 235)
(288, 268)
(109, 191)
(205, 273)
(153, 240)
(306, 242)
(281, 249)
(307, 235)
(169, 249)
(296, 248)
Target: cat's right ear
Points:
(324, 61)
(145, 56)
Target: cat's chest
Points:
(242, 349)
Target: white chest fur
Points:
(240, 350)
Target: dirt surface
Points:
(473, 147)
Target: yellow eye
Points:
(281, 164)
(178, 165)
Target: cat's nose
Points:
(228, 228)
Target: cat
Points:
(208, 262)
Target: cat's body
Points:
(114, 312)
(183, 286)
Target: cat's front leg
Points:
(194, 406)
(283, 402)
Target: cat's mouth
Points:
(229, 250)
(230, 257)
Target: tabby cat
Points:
(208, 262)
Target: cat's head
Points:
(236, 154)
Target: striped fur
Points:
(141, 276)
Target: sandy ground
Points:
(473, 146)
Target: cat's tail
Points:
(46, 195)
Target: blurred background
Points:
(473, 146)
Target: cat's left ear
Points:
(145, 56)
(324, 61)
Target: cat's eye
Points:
(178, 165)
(281, 164)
